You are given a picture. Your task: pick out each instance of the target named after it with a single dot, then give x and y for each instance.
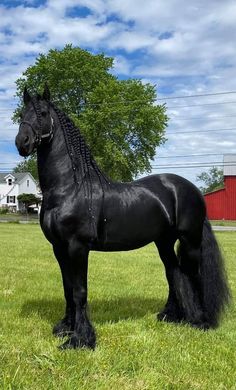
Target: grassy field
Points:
(223, 223)
(16, 217)
(126, 290)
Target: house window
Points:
(27, 183)
(10, 182)
(11, 199)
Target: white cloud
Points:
(122, 65)
(130, 41)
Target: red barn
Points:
(221, 204)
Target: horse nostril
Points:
(26, 140)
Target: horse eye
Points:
(44, 113)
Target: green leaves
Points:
(29, 165)
(119, 118)
(28, 200)
(213, 180)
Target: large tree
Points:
(213, 180)
(28, 165)
(119, 119)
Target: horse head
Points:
(36, 122)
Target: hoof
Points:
(75, 342)
(62, 328)
(201, 325)
(169, 317)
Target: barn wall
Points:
(221, 204)
(230, 198)
(215, 204)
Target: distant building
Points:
(221, 204)
(14, 184)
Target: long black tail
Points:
(213, 279)
(200, 281)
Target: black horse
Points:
(83, 210)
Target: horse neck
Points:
(54, 163)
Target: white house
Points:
(14, 184)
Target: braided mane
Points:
(78, 151)
(84, 167)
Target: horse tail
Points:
(215, 293)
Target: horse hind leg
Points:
(184, 300)
(172, 311)
(189, 288)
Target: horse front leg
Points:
(83, 334)
(65, 326)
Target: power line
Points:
(167, 133)
(193, 163)
(192, 166)
(203, 104)
(200, 117)
(157, 99)
(144, 101)
(181, 118)
(196, 164)
(207, 165)
(173, 97)
(10, 162)
(186, 164)
(194, 155)
(200, 131)
(197, 95)
(158, 157)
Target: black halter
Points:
(40, 136)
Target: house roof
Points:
(18, 176)
(214, 191)
(230, 165)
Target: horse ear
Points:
(26, 96)
(46, 93)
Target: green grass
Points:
(16, 217)
(126, 290)
(221, 222)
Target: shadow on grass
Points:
(101, 311)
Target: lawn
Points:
(222, 222)
(18, 217)
(126, 290)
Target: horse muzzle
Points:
(25, 144)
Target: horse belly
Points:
(133, 230)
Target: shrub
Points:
(3, 210)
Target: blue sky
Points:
(185, 48)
